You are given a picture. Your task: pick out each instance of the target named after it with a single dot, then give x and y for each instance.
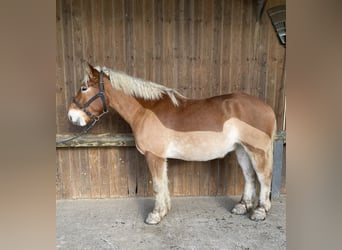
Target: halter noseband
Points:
(84, 108)
(101, 95)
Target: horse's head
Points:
(89, 102)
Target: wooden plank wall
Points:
(199, 47)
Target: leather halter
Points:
(100, 94)
(84, 109)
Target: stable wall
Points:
(201, 48)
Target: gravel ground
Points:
(192, 223)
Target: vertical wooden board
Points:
(68, 57)
(176, 169)
(95, 175)
(104, 173)
(97, 36)
(233, 174)
(129, 50)
(139, 39)
(61, 104)
(85, 185)
(108, 33)
(236, 45)
(213, 177)
(74, 173)
(253, 63)
(119, 35)
(197, 34)
(215, 58)
(148, 38)
(244, 85)
(131, 165)
(231, 165)
(226, 47)
(183, 47)
(194, 178)
(142, 175)
(59, 180)
(271, 72)
(262, 57)
(77, 23)
(157, 41)
(118, 173)
(173, 182)
(222, 181)
(187, 37)
(64, 166)
(206, 50)
(123, 177)
(203, 179)
(113, 167)
(87, 30)
(168, 44)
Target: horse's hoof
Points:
(153, 218)
(258, 214)
(239, 209)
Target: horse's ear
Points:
(91, 71)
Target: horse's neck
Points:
(127, 106)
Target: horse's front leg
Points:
(158, 169)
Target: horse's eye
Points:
(84, 88)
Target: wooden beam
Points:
(116, 140)
(97, 140)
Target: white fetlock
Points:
(153, 218)
(258, 214)
(239, 209)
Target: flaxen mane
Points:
(138, 87)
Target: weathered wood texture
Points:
(201, 48)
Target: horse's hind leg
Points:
(263, 164)
(248, 196)
(158, 169)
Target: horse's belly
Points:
(201, 145)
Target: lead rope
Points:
(84, 131)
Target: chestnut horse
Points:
(166, 124)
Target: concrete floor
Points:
(192, 223)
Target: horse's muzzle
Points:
(76, 117)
